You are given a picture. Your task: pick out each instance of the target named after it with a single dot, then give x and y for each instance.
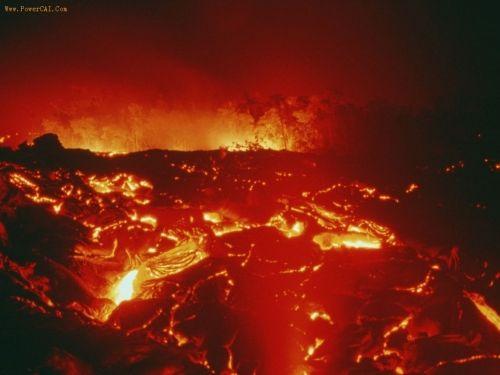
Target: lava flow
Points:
(224, 263)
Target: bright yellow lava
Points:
(289, 230)
(124, 290)
(487, 311)
(327, 241)
(213, 217)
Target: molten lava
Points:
(487, 311)
(328, 241)
(220, 262)
(124, 290)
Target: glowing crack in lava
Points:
(220, 262)
(488, 312)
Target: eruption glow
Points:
(287, 123)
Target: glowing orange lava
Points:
(212, 242)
